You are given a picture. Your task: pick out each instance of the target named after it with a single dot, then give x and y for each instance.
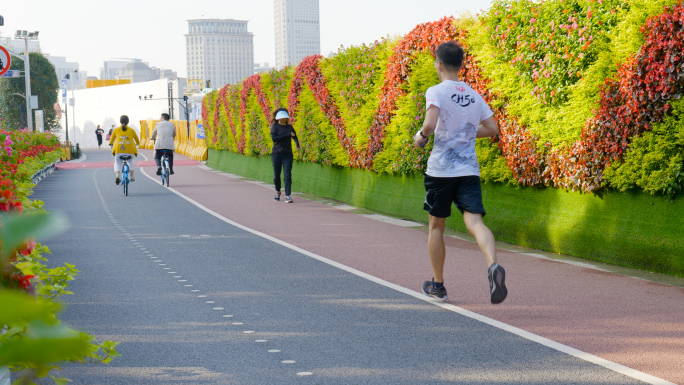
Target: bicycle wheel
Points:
(125, 184)
(166, 171)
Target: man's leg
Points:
(482, 234)
(436, 248)
(157, 161)
(485, 240)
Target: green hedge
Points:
(627, 229)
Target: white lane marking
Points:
(259, 341)
(305, 374)
(614, 366)
(194, 290)
(238, 323)
(187, 285)
(227, 315)
(274, 351)
(177, 276)
(288, 361)
(217, 308)
(162, 264)
(209, 301)
(248, 331)
(201, 296)
(172, 272)
(167, 268)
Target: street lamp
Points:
(73, 106)
(26, 36)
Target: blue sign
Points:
(64, 89)
(200, 131)
(11, 74)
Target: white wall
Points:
(105, 105)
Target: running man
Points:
(456, 114)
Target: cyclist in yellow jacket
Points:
(123, 141)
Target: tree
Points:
(44, 84)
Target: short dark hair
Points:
(450, 53)
(165, 116)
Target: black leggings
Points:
(283, 161)
(158, 155)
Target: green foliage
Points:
(311, 128)
(553, 87)
(354, 77)
(400, 155)
(655, 161)
(44, 84)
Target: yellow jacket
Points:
(124, 141)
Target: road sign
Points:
(63, 86)
(11, 74)
(5, 60)
(40, 121)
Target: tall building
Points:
(111, 68)
(77, 79)
(297, 31)
(219, 51)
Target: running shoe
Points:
(171, 171)
(132, 178)
(277, 197)
(288, 199)
(117, 180)
(158, 170)
(497, 285)
(429, 289)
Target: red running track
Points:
(633, 322)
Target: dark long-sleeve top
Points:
(282, 138)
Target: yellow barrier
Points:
(191, 147)
(66, 149)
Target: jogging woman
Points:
(123, 141)
(282, 134)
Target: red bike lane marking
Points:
(141, 163)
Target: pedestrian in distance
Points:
(282, 134)
(456, 114)
(98, 133)
(109, 134)
(163, 136)
(124, 141)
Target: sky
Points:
(90, 32)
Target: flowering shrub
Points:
(571, 85)
(22, 269)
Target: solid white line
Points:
(627, 371)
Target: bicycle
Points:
(124, 172)
(166, 169)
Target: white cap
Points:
(282, 115)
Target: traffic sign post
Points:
(64, 90)
(5, 60)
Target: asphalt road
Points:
(194, 300)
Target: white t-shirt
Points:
(461, 110)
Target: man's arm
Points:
(154, 134)
(487, 128)
(429, 126)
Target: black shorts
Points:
(464, 191)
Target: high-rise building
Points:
(219, 51)
(77, 79)
(297, 31)
(111, 68)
